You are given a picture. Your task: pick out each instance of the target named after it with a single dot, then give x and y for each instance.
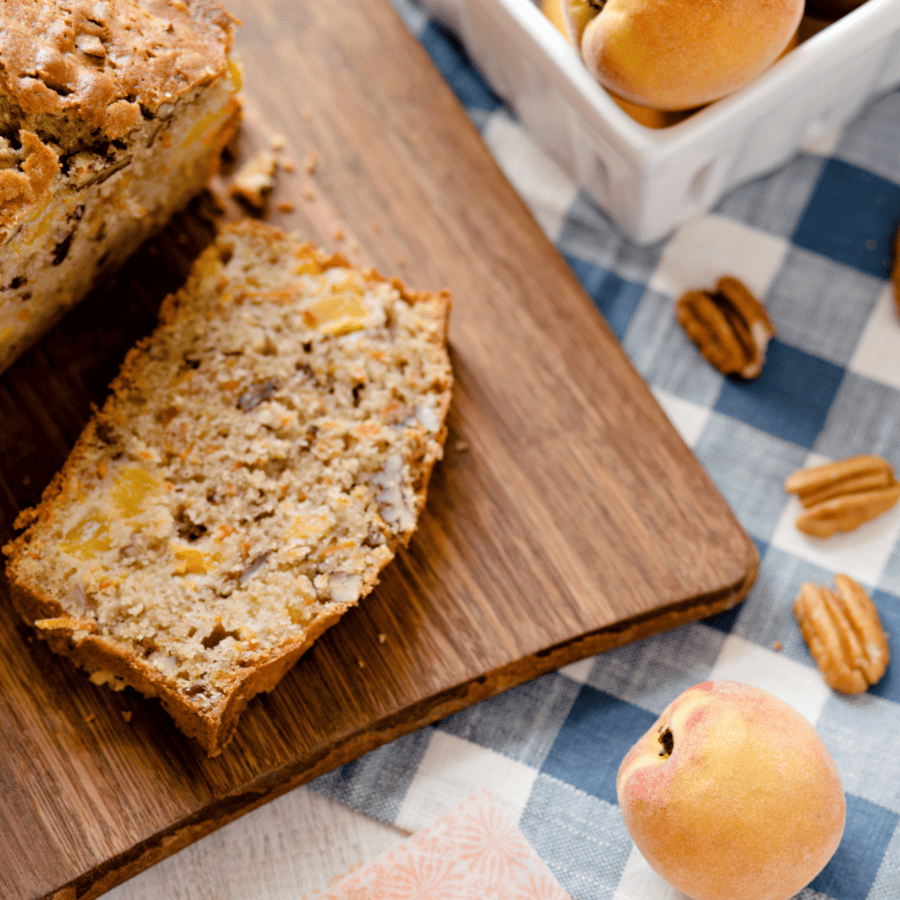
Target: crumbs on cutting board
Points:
(253, 184)
(254, 180)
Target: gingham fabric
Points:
(814, 240)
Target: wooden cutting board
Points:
(566, 518)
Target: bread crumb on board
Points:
(254, 181)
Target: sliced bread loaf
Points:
(259, 460)
(112, 116)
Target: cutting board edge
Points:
(145, 854)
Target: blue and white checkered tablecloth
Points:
(814, 240)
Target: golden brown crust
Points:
(212, 730)
(20, 190)
(62, 58)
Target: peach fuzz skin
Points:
(732, 795)
(680, 54)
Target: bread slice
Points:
(258, 462)
(112, 116)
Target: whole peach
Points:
(680, 54)
(732, 795)
(652, 118)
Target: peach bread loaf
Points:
(112, 116)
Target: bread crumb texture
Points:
(112, 116)
(260, 459)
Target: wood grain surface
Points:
(567, 516)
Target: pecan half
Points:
(729, 326)
(844, 634)
(841, 496)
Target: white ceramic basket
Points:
(651, 180)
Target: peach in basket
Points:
(679, 54)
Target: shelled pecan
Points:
(841, 496)
(729, 326)
(843, 632)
